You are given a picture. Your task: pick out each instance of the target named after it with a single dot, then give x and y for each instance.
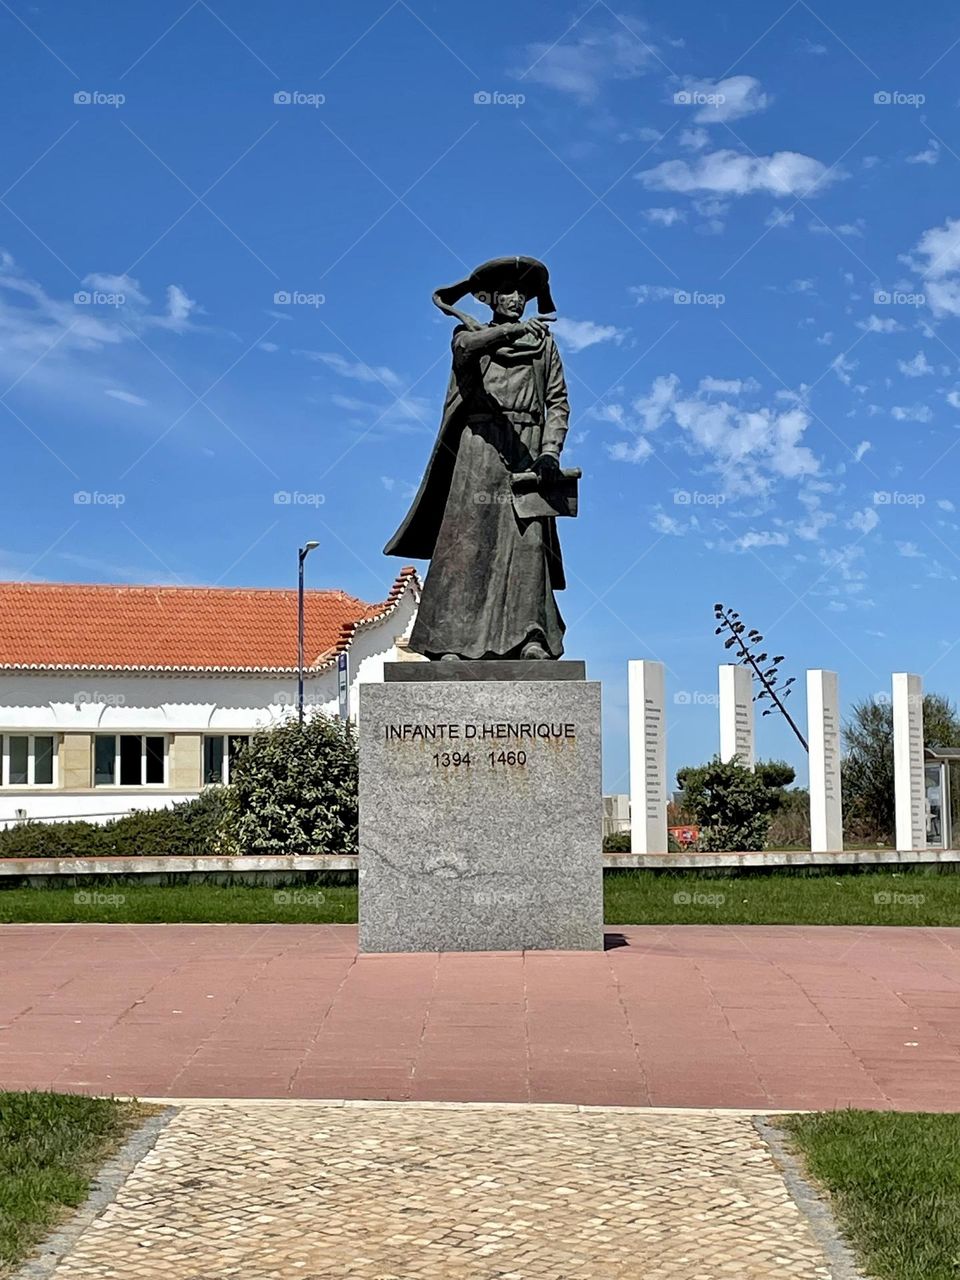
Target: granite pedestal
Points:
(480, 810)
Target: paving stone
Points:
(395, 1192)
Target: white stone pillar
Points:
(908, 784)
(823, 738)
(736, 714)
(648, 757)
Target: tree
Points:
(733, 805)
(867, 768)
(294, 790)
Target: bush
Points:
(189, 830)
(617, 842)
(294, 790)
(732, 804)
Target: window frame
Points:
(31, 782)
(226, 739)
(116, 784)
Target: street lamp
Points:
(302, 554)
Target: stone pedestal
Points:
(480, 810)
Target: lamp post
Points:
(302, 554)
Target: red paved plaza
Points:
(752, 1017)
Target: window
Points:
(220, 753)
(129, 760)
(28, 760)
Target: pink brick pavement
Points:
(696, 1016)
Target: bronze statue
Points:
(485, 514)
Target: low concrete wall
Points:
(279, 863)
(781, 858)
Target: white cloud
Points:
(729, 386)
(766, 538)
(637, 451)
(582, 66)
(930, 156)
(268, 346)
(855, 228)
(694, 139)
(667, 524)
(180, 308)
(730, 173)
(911, 413)
(76, 336)
(945, 504)
(652, 293)
(665, 217)
(910, 550)
(126, 396)
(873, 324)
(940, 247)
(720, 100)
(953, 399)
(780, 218)
(576, 335)
(865, 521)
(843, 367)
(749, 449)
(354, 369)
(862, 448)
(917, 367)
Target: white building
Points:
(119, 698)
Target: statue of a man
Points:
(489, 590)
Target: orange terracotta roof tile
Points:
(61, 625)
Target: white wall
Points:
(98, 702)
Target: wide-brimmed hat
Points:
(501, 275)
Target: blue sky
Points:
(752, 223)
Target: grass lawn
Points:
(50, 1147)
(894, 1183)
(632, 897)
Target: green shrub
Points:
(732, 804)
(294, 790)
(189, 829)
(617, 842)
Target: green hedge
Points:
(189, 829)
